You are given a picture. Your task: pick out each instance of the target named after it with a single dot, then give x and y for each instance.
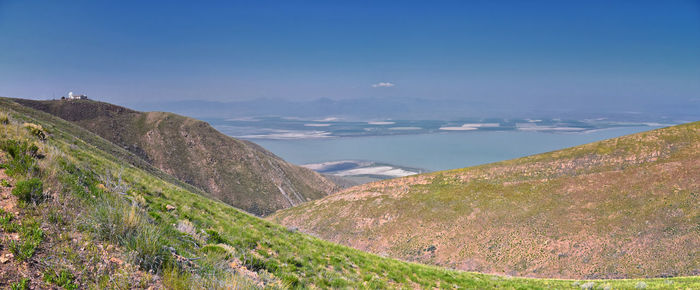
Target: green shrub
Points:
(22, 156)
(23, 284)
(254, 263)
(21, 166)
(5, 183)
(55, 217)
(30, 237)
(155, 215)
(17, 148)
(62, 279)
(125, 224)
(114, 220)
(6, 221)
(29, 191)
(148, 249)
(216, 238)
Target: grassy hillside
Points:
(624, 207)
(77, 215)
(237, 172)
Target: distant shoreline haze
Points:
(436, 151)
(421, 109)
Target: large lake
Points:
(436, 151)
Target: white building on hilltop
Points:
(71, 96)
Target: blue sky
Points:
(506, 52)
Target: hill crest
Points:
(238, 172)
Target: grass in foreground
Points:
(185, 240)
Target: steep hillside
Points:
(238, 172)
(624, 207)
(77, 214)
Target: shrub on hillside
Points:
(6, 223)
(29, 191)
(22, 284)
(30, 237)
(4, 118)
(117, 221)
(63, 279)
(36, 130)
(17, 148)
(22, 156)
(148, 249)
(216, 238)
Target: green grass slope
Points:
(624, 207)
(82, 216)
(238, 172)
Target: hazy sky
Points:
(512, 52)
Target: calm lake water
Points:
(437, 151)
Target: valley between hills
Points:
(100, 196)
(626, 207)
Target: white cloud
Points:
(317, 125)
(383, 85)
